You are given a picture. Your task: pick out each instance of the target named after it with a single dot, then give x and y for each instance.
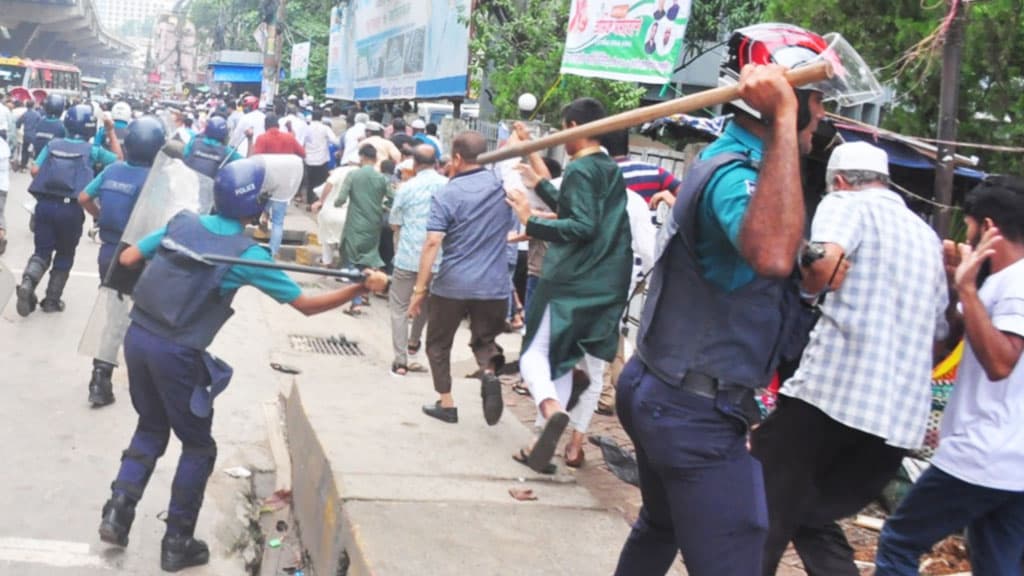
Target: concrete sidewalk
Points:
(379, 488)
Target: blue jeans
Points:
(531, 285)
(939, 505)
(278, 208)
(703, 493)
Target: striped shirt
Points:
(647, 179)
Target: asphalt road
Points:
(60, 455)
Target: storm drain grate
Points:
(333, 346)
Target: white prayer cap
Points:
(859, 156)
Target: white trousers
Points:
(535, 368)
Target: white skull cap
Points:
(859, 156)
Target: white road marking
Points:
(50, 553)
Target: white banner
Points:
(300, 61)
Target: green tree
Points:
(883, 31)
(230, 23)
(518, 44)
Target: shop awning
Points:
(236, 73)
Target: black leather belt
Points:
(708, 387)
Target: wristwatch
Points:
(419, 289)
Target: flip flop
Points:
(523, 456)
(353, 312)
(544, 449)
(416, 367)
(518, 388)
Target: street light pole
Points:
(949, 95)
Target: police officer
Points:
(121, 112)
(116, 189)
(206, 155)
(62, 170)
(722, 307)
(50, 126)
(180, 305)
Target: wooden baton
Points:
(712, 97)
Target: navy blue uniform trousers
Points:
(161, 378)
(703, 494)
(58, 230)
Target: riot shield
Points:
(8, 282)
(205, 193)
(170, 188)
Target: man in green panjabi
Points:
(360, 239)
(575, 310)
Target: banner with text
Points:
(637, 42)
(300, 61)
(398, 49)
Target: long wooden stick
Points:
(707, 98)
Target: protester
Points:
(408, 218)
(274, 141)
(353, 135)
(648, 180)
(399, 136)
(319, 139)
(250, 126)
(577, 304)
(386, 149)
(5, 186)
(331, 218)
(975, 480)
(469, 222)
(360, 241)
(853, 408)
(419, 134)
(686, 397)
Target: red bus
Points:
(23, 78)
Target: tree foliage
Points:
(229, 25)
(991, 101)
(518, 45)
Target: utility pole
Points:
(949, 96)
(272, 55)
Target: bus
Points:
(22, 78)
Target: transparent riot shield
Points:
(170, 188)
(8, 282)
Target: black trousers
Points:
(816, 471)
(315, 176)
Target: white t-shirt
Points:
(283, 176)
(319, 136)
(982, 434)
(352, 137)
(299, 126)
(5, 165)
(255, 120)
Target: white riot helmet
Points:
(121, 111)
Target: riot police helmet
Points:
(146, 136)
(238, 190)
(54, 105)
(216, 128)
(80, 122)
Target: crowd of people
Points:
(850, 317)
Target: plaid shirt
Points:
(868, 363)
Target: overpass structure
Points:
(65, 30)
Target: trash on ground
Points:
(238, 472)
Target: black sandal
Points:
(544, 448)
(414, 350)
(523, 456)
(399, 369)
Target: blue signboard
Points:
(398, 50)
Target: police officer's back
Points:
(110, 198)
(207, 154)
(50, 126)
(63, 168)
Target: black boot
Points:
(33, 274)
(118, 514)
(182, 551)
(101, 390)
(54, 290)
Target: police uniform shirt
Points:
(231, 157)
(93, 189)
(97, 155)
(273, 283)
(722, 208)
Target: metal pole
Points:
(949, 95)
